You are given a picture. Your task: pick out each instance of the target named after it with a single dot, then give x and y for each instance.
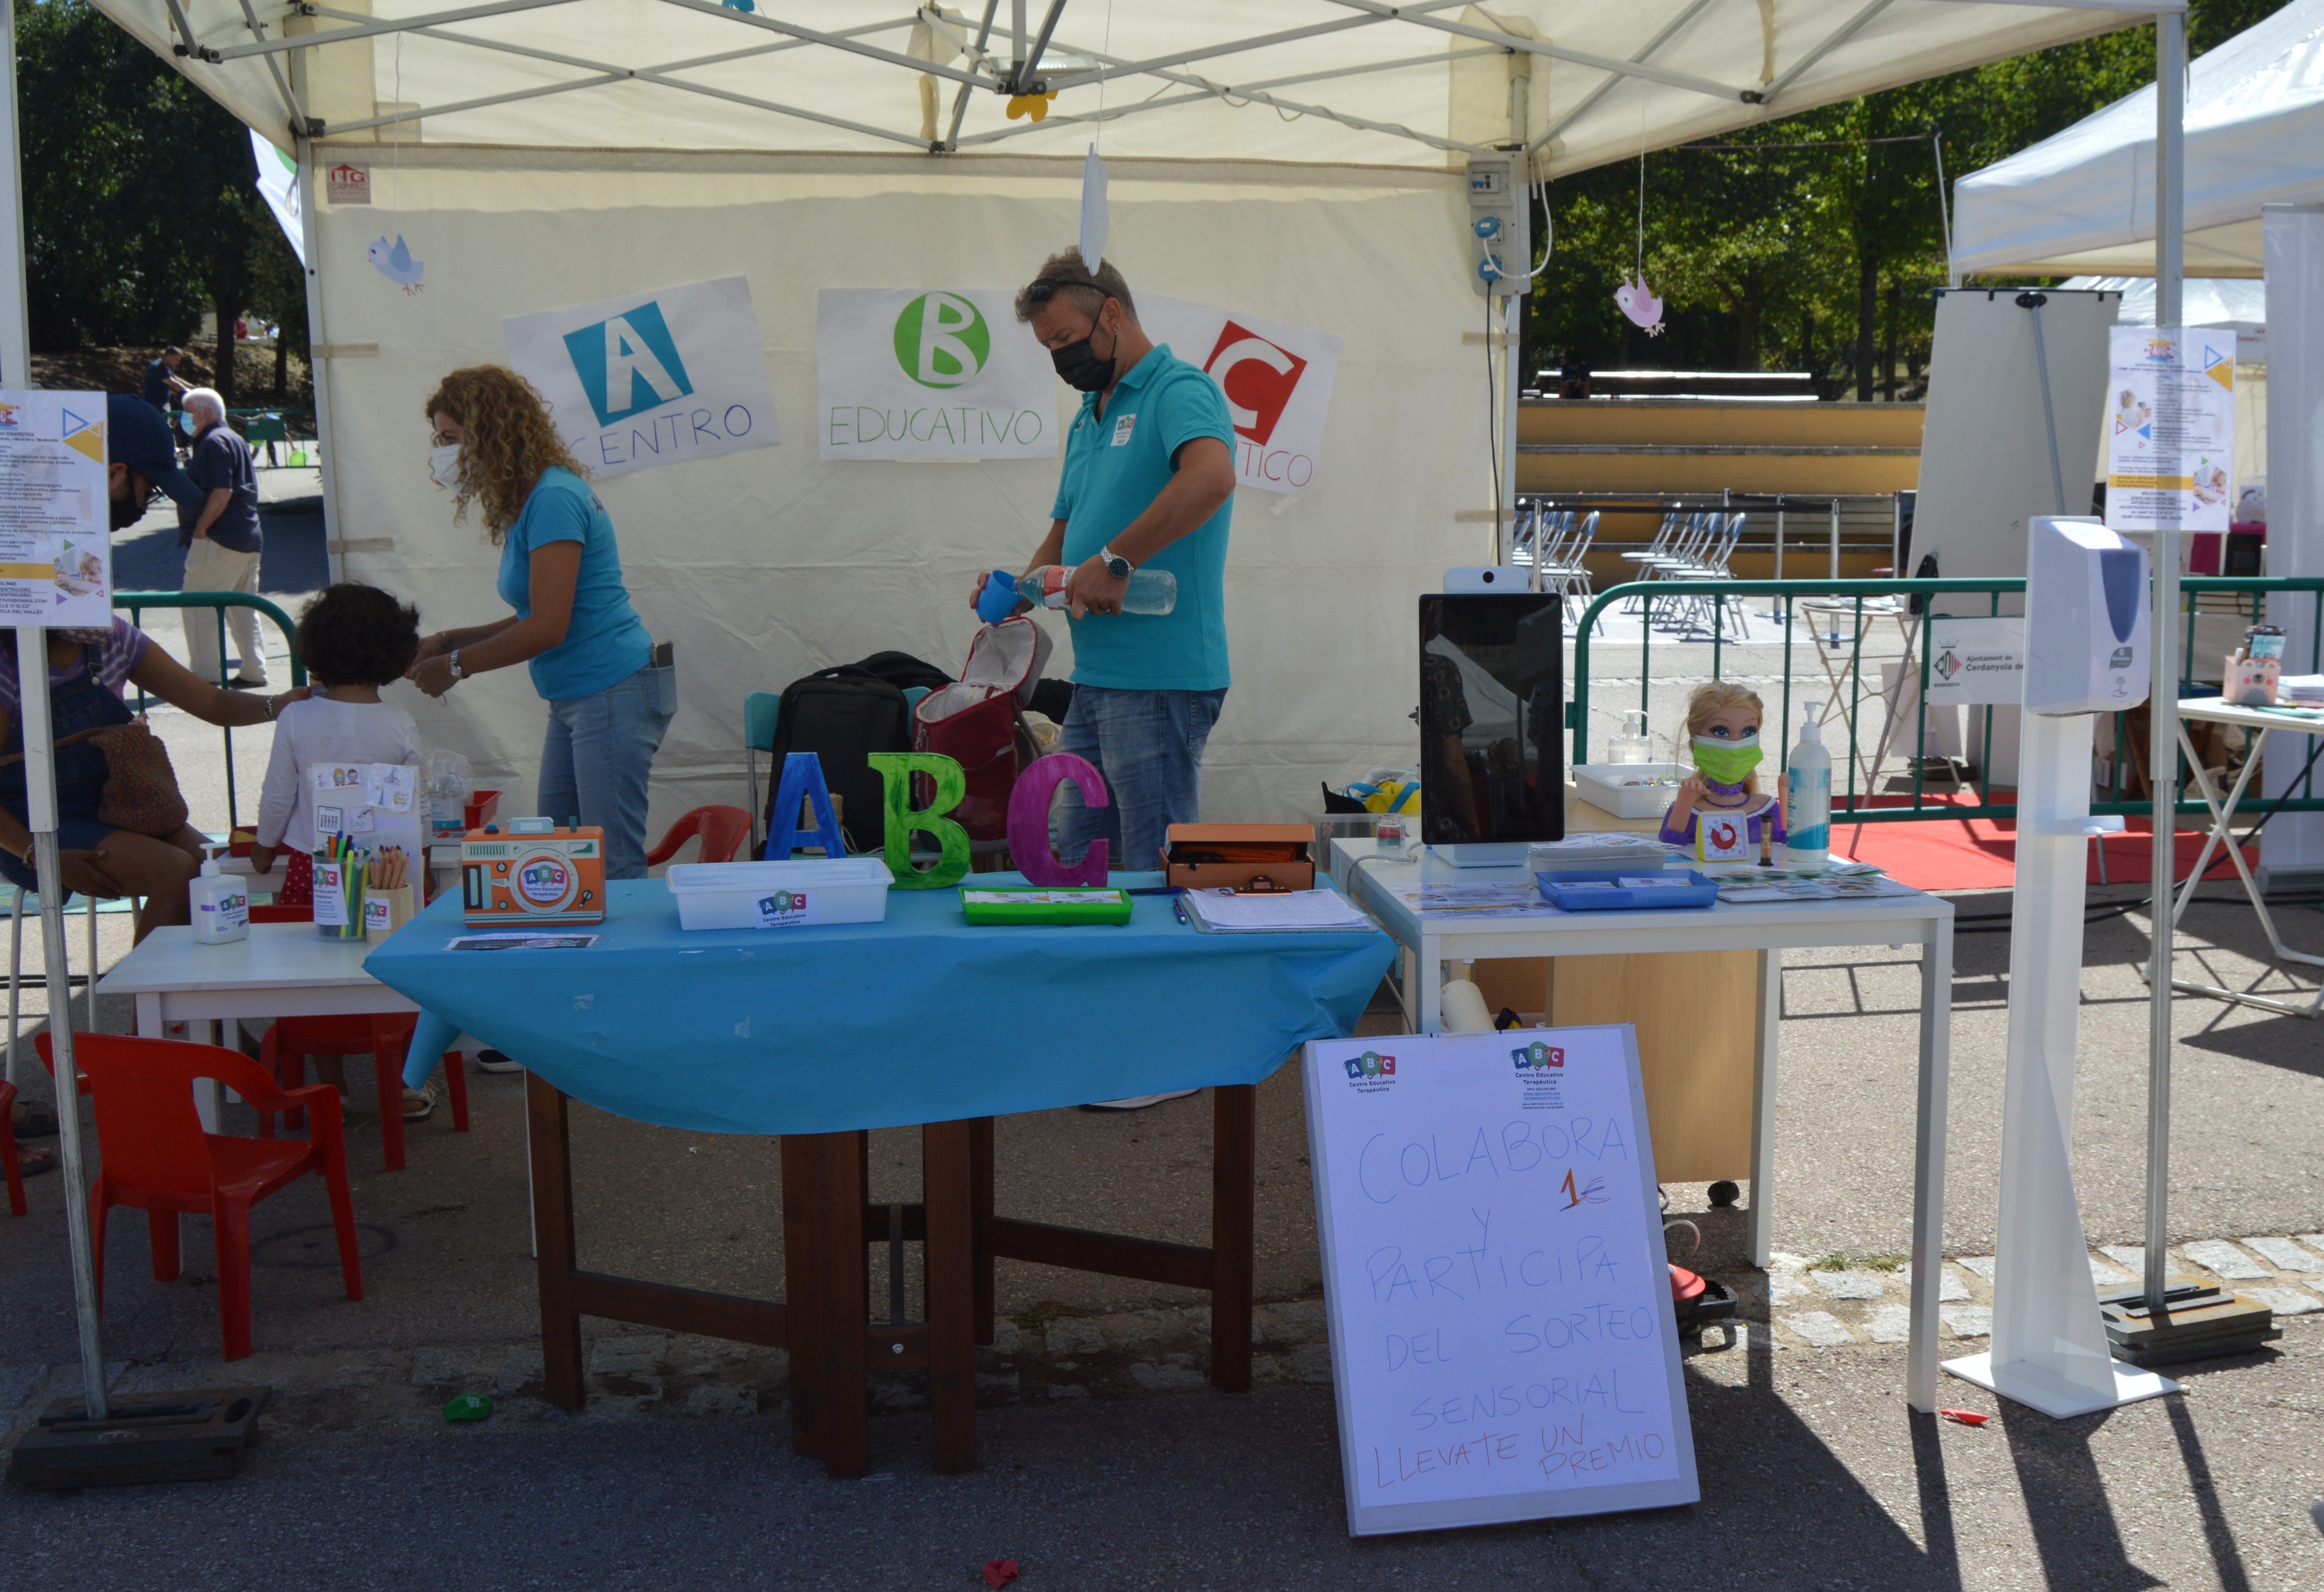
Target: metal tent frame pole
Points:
(2163, 701)
(40, 773)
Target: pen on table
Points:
(1178, 905)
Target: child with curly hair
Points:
(353, 639)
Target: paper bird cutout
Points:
(395, 261)
(1638, 303)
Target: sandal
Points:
(33, 1162)
(419, 1104)
(40, 1121)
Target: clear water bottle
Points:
(1151, 591)
(1632, 745)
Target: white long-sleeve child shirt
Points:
(319, 730)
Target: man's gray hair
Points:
(1064, 276)
(203, 404)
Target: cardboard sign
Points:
(925, 375)
(1276, 378)
(1503, 1345)
(660, 378)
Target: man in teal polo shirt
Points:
(1149, 482)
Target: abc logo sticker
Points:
(942, 340)
(1536, 1057)
(1371, 1064)
(544, 881)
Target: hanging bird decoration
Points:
(1638, 303)
(395, 261)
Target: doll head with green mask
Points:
(1723, 720)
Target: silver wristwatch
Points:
(453, 659)
(1115, 563)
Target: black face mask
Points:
(1079, 368)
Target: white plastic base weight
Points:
(2052, 1395)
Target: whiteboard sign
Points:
(1976, 661)
(1503, 1345)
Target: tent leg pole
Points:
(2162, 702)
(318, 360)
(40, 788)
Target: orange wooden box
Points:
(516, 880)
(1234, 855)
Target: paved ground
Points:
(1814, 1476)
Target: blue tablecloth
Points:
(920, 1019)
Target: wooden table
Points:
(283, 970)
(825, 1322)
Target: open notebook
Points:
(1290, 912)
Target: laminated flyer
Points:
(56, 560)
(2170, 429)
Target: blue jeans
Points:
(599, 756)
(1148, 745)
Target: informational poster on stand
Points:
(1503, 1345)
(660, 378)
(1276, 378)
(930, 373)
(2170, 429)
(56, 558)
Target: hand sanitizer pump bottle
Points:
(221, 903)
(1807, 804)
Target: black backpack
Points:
(902, 671)
(842, 716)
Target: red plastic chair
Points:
(157, 1158)
(724, 831)
(8, 1151)
(383, 1036)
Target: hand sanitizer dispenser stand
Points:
(2088, 655)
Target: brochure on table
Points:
(1503, 1346)
(373, 805)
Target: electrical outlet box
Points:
(1500, 224)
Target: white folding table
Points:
(2264, 721)
(1374, 878)
(283, 970)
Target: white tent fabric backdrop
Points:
(1299, 160)
(2083, 201)
(765, 565)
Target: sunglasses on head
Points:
(1049, 287)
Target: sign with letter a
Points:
(660, 378)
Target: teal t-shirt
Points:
(606, 642)
(1115, 467)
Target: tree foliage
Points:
(140, 205)
(1811, 242)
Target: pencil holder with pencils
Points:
(338, 890)
(387, 903)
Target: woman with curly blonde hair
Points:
(590, 657)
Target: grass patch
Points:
(1848, 1263)
(1036, 1320)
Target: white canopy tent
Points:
(1295, 159)
(2083, 201)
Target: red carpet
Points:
(1981, 853)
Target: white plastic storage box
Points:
(1600, 785)
(780, 894)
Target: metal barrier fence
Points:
(136, 603)
(1714, 596)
